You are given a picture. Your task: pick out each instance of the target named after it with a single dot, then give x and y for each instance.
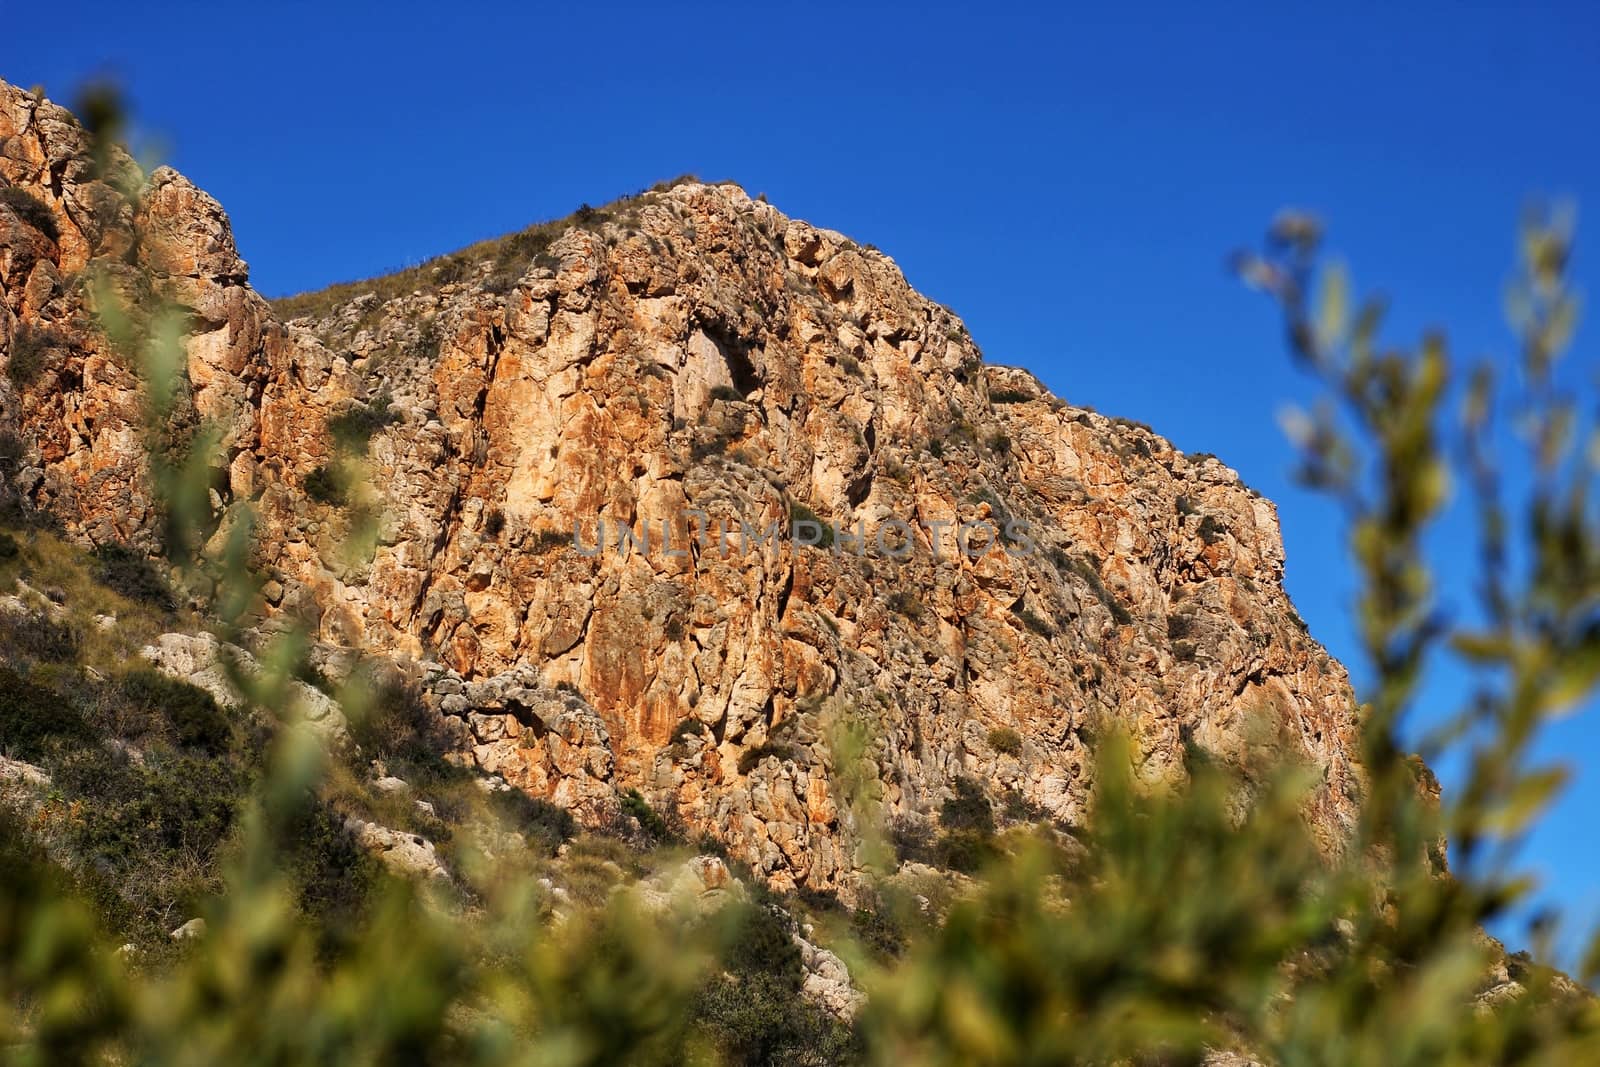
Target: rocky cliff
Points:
(695, 367)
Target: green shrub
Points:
(407, 735)
(799, 513)
(122, 570)
(1019, 808)
(35, 722)
(1010, 396)
(1000, 443)
(429, 339)
(451, 269)
(687, 728)
(968, 809)
(913, 841)
(753, 1011)
(170, 801)
(1211, 531)
(151, 831)
(881, 931)
(333, 877)
(9, 548)
(325, 486)
(38, 637)
(649, 820)
(494, 524)
(354, 428)
(31, 210)
(905, 603)
(750, 757)
(196, 720)
(964, 850)
(518, 252)
(764, 943)
(1005, 740)
(548, 824)
(725, 392)
(30, 349)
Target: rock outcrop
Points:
(203, 661)
(405, 854)
(80, 224)
(1004, 576)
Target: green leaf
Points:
(1333, 307)
(1526, 800)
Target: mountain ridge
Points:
(687, 350)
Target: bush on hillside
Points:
(31, 210)
(38, 637)
(36, 724)
(122, 570)
(195, 718)
(30, 351)
(549, 825)
(325, 486)
(355, 427)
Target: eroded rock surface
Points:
(406, 854)
(203, 661)
(687, 359)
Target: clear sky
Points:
(1069, 179)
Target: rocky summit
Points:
(659, 492)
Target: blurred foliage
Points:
(1186, 923)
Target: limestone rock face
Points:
(695, 368)
(547, 742)
(701, 885)
(72, 416)
(405, 854)
(207, 663)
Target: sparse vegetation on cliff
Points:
(31, 210)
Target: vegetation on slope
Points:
(506, 258)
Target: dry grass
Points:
(508, 256)
(64, 572)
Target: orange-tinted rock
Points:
(694, 360)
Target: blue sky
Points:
(1069, 180)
